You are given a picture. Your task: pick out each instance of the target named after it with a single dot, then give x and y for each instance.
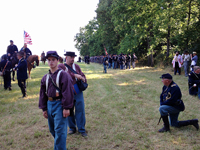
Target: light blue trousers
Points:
(57, 124)
(105, 67)
(78, 118)
(173, 113)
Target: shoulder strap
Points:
(47, 81)
(70, 68)
(5, 67)
(57, 79)
(74, 66)
(57, 88)
(195, 74)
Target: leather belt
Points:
(54, 98)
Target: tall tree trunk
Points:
(188, 23)
(150, 57)
(168, 41)
(168, 34)
(148, 46)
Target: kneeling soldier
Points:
(171, 105)
(56, 100)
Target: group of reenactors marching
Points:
(114, 61)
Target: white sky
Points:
(52, 24)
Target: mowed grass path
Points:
(121, 113)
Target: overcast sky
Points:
(52, 24)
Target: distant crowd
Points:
(186, 60)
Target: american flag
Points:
(105, 50)
(27, 38)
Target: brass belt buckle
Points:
(50, 98)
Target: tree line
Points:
(153, 29)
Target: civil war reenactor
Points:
(21, 68)
(133, 60)
(5, 67)
(105, 63)
(115, 61)
(26, 51)
(194, 81)
(124, 61)
(11, 49)
(171, 105)
(128, 60)
(87, 59)
(56, 100)
(109, 61)
(78, 118)
(120, 61)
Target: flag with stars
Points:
(27, 38)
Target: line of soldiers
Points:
(114, 61)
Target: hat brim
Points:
(70, 55)
(55, 56)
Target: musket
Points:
(159, 120)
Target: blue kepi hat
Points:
(52, 54)
(166, 76)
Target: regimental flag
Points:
(105, 50)
(27, 38)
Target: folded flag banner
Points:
(105, 50)
(27, 38)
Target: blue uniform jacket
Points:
(171, 96)
(27, 51)
(22, 70)
(8, 66)
(11, 49)
(104, 60)
(193, 78)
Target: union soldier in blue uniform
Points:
(5, 67)
(194, 81)
(121, 61)
(128, 60)
(21, 68)
(26, 50)
(171, 105)
(105, 63)
(11, 50)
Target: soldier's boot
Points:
(166, 124)
(193, 122)
(23, 92)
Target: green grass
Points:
(121, 113)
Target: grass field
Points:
(121, 113)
